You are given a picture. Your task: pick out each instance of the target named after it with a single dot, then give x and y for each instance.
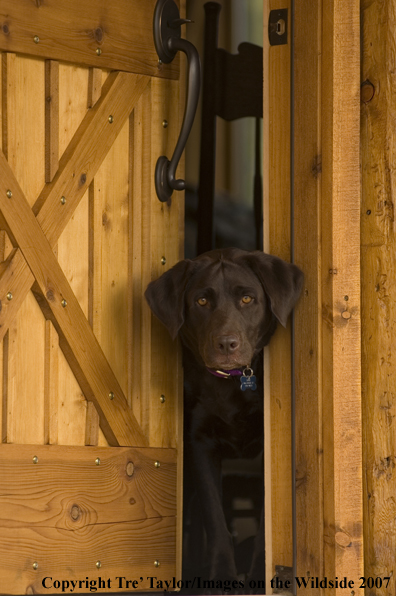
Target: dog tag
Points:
(248, 380)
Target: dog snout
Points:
(227, 344)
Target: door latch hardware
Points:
(167, 39)
(277, 27)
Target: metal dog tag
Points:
(248, 380)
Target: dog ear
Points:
(282, 282)
(165, 296)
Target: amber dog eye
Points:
(247, 299)
(202, 301)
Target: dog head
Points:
(225, 303)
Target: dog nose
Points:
(227, 344)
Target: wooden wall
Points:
(322, 165)
(378, 118)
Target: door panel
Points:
(83, 363)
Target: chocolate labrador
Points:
(225, 306)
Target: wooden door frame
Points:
(311, 153)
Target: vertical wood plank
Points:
(140, 259)
(277, 241)
(23, 142)
(378, 241)
(343, 507)
(94, 86)
(164, 231)
(110, 235)
(73, 252)
(51, 119)
(1, 100)
(92, 425)
(327, 321)
(5, 250)
(51, 385)
(308, 316)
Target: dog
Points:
(225, 306)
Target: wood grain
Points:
(51, 385)
(84, 355)
(86, 151)
(84, 154)
(327, 320)
(341, 336)
(378, 290)
(277, 241)
(307, 185)
(72, 252)
(122, 35)
(51, 119)
(76, 506)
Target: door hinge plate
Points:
(277, 27)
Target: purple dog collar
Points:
(225, 374)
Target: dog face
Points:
(225, 303)
(226, 314)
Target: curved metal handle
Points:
(167, 38)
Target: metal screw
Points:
(9, 194)
(36, 39)
(165, 123)
(9, 296)
(111, 395)
(368, 211)
(35, 459)
(162, 399)
(98, 564)
(130, 468)
(111, 119)
(157, 563)
(157, 464)
(63, 200)
(163, 260)
(98, 51)
(346, 298)
(159, 63)
(64, 303)
(97, 461)
(35, 565)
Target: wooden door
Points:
(90, 390)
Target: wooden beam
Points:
(329, 505)
(308, 315)
(51, 119)
(378, 282)
(76, 337)
(341, 336)
(119, 37)
(277, 241)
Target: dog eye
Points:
(202, 301)
(246, 299)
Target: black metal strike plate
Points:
(277, 27)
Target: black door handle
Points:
(167, 39)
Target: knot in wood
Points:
(367, 91)
(130, 468)
(98, 34)
(75, 513)
(343, 539)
